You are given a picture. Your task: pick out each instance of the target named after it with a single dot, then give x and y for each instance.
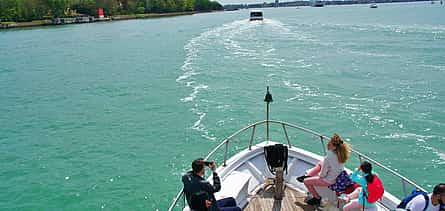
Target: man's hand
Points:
(208, 203)
(212, 166)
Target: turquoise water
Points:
(107, 116)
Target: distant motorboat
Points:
(256, 15)
(373, 6)
(318, 3)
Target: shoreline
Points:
(37, 23)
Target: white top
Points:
(331, 168)
(418, 203)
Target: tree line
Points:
(28, 10)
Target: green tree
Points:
(188, 5)
(85, 7)
(131, 7)
(56, 7)
(27, 10)
(8, 10)
(140, 10)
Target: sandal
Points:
(301, 178)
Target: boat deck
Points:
(292, 200)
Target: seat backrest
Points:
(276, 156)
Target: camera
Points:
(207, 163)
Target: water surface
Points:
(107, 116)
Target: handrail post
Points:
(360, 158)
(287, 137)
(404, 188)
(225, 153)
(251, 137)
(322, 145)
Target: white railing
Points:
(285, 125)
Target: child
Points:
(363, 175)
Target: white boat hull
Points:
(256, 18)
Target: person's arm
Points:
(216, 182)
(356, 177)
(325, 167)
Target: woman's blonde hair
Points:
(342, 148)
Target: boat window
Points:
(256, 14)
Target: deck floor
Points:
(292, 200)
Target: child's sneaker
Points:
(344, 198)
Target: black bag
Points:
(276, 156)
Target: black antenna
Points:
(268, 99)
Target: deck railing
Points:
(404, 181)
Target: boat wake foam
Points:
(232, 38)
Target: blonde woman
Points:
(327, 170)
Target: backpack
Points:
(375, 190)
(410, 197)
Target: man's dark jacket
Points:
(194, 183)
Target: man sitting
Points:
(195, 184)
(434, 201)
